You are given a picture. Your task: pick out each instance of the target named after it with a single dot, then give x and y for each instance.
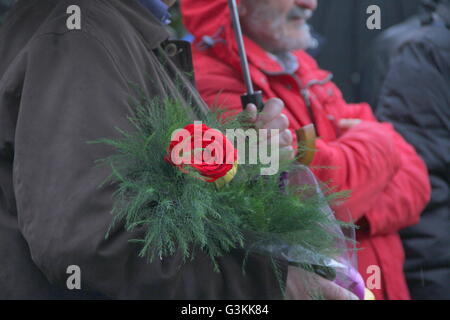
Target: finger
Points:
(344, 123)
(272, 109)
(252, 113)
(287, 153)
(332, 291)
(281, 123)
(286, 138)
(283, 139)
(297, 284)
(348, 123)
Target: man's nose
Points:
(307, 4)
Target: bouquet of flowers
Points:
(190, 187)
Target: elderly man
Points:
(388, 180)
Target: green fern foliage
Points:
(180, 212)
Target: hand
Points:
(346, 124)
(272, 118)
(304, 285)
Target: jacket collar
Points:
(150, 28)
(158, 8)
(287, 60)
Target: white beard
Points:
(267, 29)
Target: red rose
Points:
(206, 150)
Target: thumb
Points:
(251, 113)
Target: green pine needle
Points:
(180, 212)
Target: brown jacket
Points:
(59, 89)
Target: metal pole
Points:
(241, 47)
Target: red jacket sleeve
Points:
(405, 197)
(358, 111)
(388, 180)
(363, 160)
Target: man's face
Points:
(278, 25)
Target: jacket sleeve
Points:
(363, 160)
(404, 198)
(413, 98)
(74, 92)
(358, 111)
(388, 180)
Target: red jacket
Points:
(389, 182)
